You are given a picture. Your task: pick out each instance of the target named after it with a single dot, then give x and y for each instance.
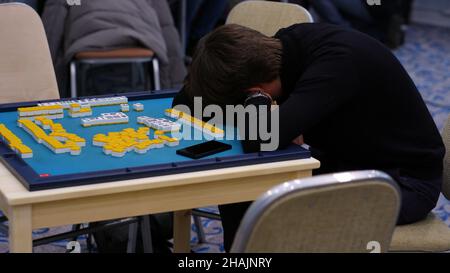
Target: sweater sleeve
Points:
(54, 21)
(325, 87)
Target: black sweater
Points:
(355, 104)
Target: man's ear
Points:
(259, 89)
(253, 90)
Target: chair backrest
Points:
(344, 212)
(26, 69)
(123, 53)
(268, 17)
(446, 138)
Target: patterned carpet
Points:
(426, 56)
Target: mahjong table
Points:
(49, 170)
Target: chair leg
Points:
(199, 227)
(76, 227)
(89, 237)
(156, 74)
(132, 237)
(182, 24)
(144, 223)
(73, 80)
(145, 75)
(89, 243)
(146, 234)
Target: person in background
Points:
(406, 7)
(201, 18)
(35, 4)
(31, 3)
(383, 22)
(303, 3)
(339, 12)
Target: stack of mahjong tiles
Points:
(78, 110)
(94, 102)
(196, 123)
(106, 119)
(59, 141)
(125, 107)
(59, 133)
(160, 124)
(138, 107)
(14, 142)
(50, 112)
(118, 144)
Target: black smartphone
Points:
(204, 149)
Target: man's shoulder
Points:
(303, 28)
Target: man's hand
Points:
(299, 141)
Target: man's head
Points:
(233, 61)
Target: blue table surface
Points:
(92, 159)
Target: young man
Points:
(344, 92)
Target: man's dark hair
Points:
(230, 60)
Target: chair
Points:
(26, 68)
(140, 60)
(268, 17)
(344, 212)
(431, 234)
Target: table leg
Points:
(20, 230)
(182, 231)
